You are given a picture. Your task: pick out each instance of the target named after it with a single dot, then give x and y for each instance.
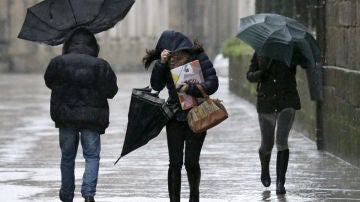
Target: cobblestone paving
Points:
(29, 155)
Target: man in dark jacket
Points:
(81, 83)
(277, 100)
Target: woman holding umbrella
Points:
(277, 100)
(174, 49)
(285, 44)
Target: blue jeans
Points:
(69, 141)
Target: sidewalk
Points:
(30, 156)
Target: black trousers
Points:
(179, 135)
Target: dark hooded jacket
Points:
(81, 83)
(276, 89)
(161, 76)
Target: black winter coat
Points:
(276, 88)
(81, 83)
(161, 76)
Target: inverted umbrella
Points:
(51, 20)
(279, 37)
(148, 114)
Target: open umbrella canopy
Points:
(148, 114)
(279, 37)
(51, 20)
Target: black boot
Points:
(89, 199)
(281, 167)
(265, 174)
(174, 184)
(194, 176)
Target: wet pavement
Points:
(30, 155)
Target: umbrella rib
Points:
(49, 21)
(72, 11)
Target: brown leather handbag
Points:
(208, 114)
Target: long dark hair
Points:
(151, 55)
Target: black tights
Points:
(179, 133)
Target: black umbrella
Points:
(147, 116)
(51, 20)
(276, 36)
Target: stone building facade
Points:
(210, 21)
(17, 55)
(4, 36)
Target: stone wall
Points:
(342, 79)
(341, 111)
(343, 33)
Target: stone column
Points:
(4, 36)
(178, 15)
(139, 31)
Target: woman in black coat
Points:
(80, 83)
(277, 100)
(172, 50)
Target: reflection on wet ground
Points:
(29, 155)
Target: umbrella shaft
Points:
(72, 9)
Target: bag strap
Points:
(148, 90)
(202, 91)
